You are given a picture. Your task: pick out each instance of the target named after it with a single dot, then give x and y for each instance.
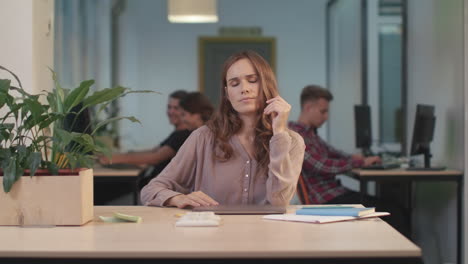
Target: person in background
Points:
(244, 155)
(162, 154)
(196, 110)
(322, 162)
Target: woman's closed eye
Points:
(234, 83)
(252, 79)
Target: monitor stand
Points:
(427, 164)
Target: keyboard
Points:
(382, 166)
(199, 219)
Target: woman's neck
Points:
(248, 126)
(246, 134)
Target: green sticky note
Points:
(111, 219)
(129, 218)
(120, 218)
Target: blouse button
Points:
(248, 161)
(246, 175)
(245, 190)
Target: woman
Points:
(245, 155)
(196, 110)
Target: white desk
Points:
(238, 239)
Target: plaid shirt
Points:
(321, 164)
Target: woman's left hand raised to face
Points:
(279, 109)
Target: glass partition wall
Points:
(373, 73)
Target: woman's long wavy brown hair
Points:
(226, 122)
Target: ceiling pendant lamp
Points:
(192, 11)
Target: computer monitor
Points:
(423, 133)
(363, 128)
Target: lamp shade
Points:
(192, 11)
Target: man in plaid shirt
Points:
(322, 162)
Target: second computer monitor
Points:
(363, 128)
(423, 132)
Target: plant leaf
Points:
(103, 96)
(22, 152)
(14, 75)
(51, 118)
(5, 155)
(33, 105)
(7, 126)
(107, 121)
(33, 121)
(34, 161)
(72, 161)
(11, 173)
(4, 85)
(77, 95)
(63, 136)
(141, 91)
(84, 161)
(102, 148)
(52, 167)
(58, 93)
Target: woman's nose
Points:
(245, 88)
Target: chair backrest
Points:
(302, 191)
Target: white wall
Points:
(27, 45)
(42, 44)
(16, 51)
(435, 76)
(164, 57)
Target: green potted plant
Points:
(35, 139)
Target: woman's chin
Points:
(247, 111)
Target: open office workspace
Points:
(387, 55)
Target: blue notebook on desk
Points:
(336, 211)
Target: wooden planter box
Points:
(48, 200)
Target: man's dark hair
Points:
(179, 94)
(313, 93)
(197, 103)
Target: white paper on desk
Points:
(319, 219)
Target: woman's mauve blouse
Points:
(236, 181)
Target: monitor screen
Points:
(423, 131)
(363, 128)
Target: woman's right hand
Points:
(194, 199)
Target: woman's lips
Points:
(247, 99)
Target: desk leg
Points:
(136, 191)
(410, 209)
(459, 219)
(363, 189)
